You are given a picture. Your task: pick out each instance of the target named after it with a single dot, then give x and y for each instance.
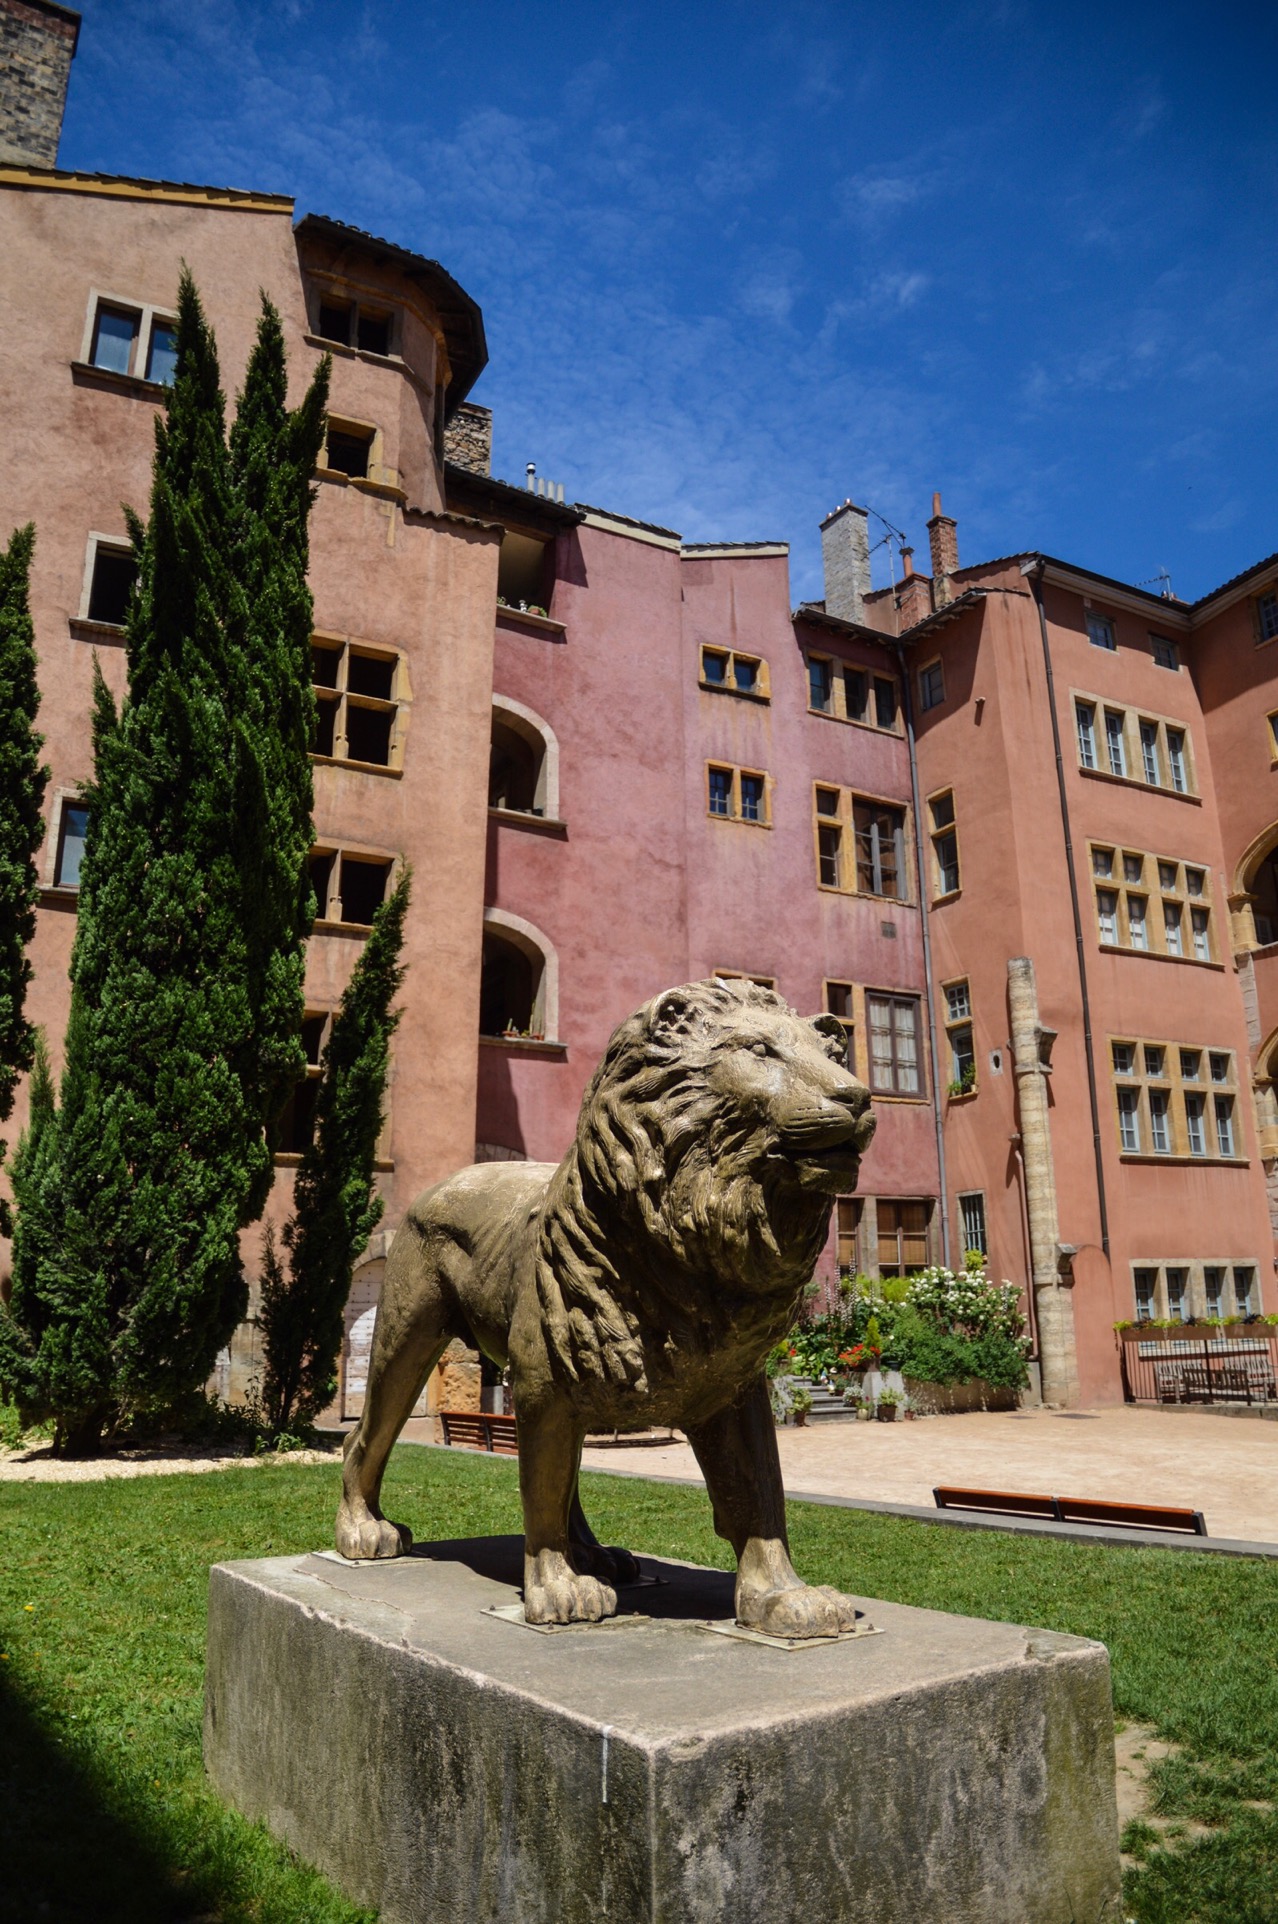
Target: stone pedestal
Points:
(453, 1767)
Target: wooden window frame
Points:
(927, 700)
(145, 316)
(734, 795)
(959, 1087)
(1152, 892)
(840, 667)
(845, 821)
(938, 835)
(892, 1093)
(341, 699)
(760, 692)
(1264, 614)
(326, 922)
(1091, 615)
(1157, 641)
(977, 1196)
(927, 1204)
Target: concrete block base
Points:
(444, 1764)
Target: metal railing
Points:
(1234, 1365)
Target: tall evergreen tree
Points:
(22, 785)
(335, 1208)
(186, 971)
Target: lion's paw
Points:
(612, 1565)
(361, 1538)
(563, 1596)
(802, 1610)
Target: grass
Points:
(105, 1814)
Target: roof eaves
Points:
(950, 612)
(813, 611)
(628, 521)
(521, 502)
(1235, 581)
(135, 187)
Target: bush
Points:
(940, 1326)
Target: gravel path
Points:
(39, 1465)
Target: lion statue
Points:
(641, 1281)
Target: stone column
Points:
(1051, 1281)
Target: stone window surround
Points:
(401, 696)
(1132, 751)
(845, 820)
(734, 814)
(360, 852)
(1175, 1087)
(1196, 1289)
(938, 832)
(80, 621)
(147, 312)
(762, 689)
(1150, 889)
(837, 711)
(538, 948)
(527, 722)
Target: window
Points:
(847, 1222)
(830, 855)
(1165, 652)
(958, 1001)
(72, 830)
(113, 337)
(297, 1124)
(945, 844)
(958, 1038)
(1155, 1058)
(1194, 1131)
(1202, 940)
(1107, 915)
(880, 848)
(348, 888)
(894, 1044)
(972, 1223)
(512, 994)
(1273, 737)
(1244, 1288)
(112, 574)
(739, 975)
(348, 450)
(1146, 1282)
(1167, 876)
(1100, 630)
(1163, 745)
(1129, 1120)
(359, 716)
(820, 684)
(1149, 752)
(851, 694)
(723, 671)
(1085, 718)
(1124, 1058)
(1133, 867)
(367, 328)
(1267, 615)
(1115, 747)
(161, 353)
(1191, 1065)
(1224, 1106)
(1213, 1289)
(1102, 861)
(1159, 1132)
(902, 1232)
(1172, 928)
(931, 685)
(838, 1003)
(1178, 1294)
(1137, 932)
(738, 794)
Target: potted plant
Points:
(886, 1407)
(800, 1404)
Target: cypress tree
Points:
(335, 1208)
(186, 970)
(22, 785)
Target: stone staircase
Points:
(826, 1406)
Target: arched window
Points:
(518, 986)
(523, 765)
(1262, 886)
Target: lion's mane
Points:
(658, 1233)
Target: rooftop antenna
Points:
(892, 540)
(1165, 584)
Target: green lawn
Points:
(104, 1813)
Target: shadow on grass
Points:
(67, 1856)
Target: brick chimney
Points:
(37, 46)
(914, 596)
(845, 553)
(942, 532)
(468, 438)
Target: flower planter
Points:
(886, 1412)
(952, 1399)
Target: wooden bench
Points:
(1073, 1509)
(480, 1430)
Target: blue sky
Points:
(738, 262)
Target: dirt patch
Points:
(38, 1464)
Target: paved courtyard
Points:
(1225, 1466)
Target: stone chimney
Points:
(942, 532)
(37, 46)
(468, 438)
(845, 552)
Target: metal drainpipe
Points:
(921, 871)
(1036, 585)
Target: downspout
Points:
(1036, 584)
(920, 866)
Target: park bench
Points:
(480, 1430)
(1234, 1378)
(1073, 1509)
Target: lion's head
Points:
(712, 1140)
